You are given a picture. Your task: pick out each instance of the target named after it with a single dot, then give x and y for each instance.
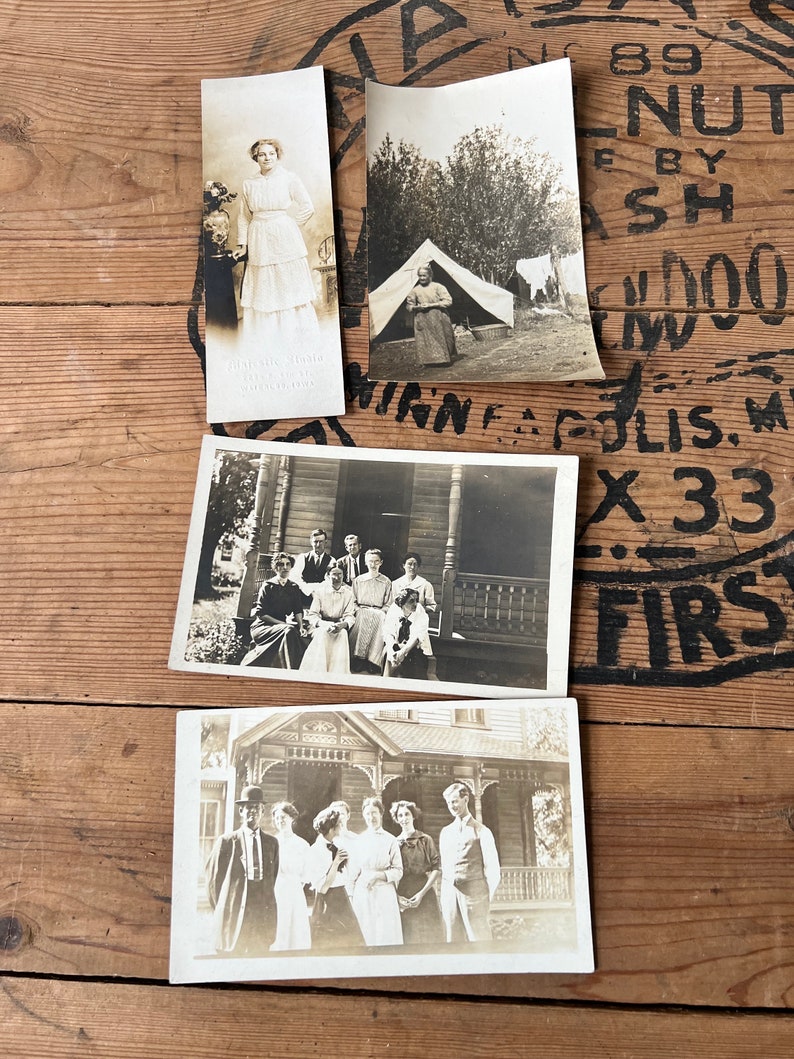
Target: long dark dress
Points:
(279, 646)
(422, 925)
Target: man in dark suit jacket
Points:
(311, 567)
(241, 875)
(352, 563)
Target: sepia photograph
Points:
(271, 301)
(475, 258)
(379, 568)
(394, 839)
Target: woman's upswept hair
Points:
(273, 143)
(326, 821)
(412, 808)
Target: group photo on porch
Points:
(436, 833)
(370, 567)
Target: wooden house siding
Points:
(312, 501)
(430, 521)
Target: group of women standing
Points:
(368, 889)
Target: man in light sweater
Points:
(470, 870)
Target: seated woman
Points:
(406, 638)
(373, 595)
(331, 616)
(427, 598)
(278, 620)
(333, 922)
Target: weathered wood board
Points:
(682, 622)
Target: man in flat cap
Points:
(241, 874)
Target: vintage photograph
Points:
(476, 266)
(272, 319)
(393, 839)
(380, 568)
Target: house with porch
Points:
(483, 532)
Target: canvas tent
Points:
(472, 298)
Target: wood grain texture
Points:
(687, 734)
(675, 815)
(105, 1020)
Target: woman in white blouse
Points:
(376, 868)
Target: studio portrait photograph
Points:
(407, 838)
(476, 267)
(434, 572)
(272, 320)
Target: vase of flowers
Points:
(219, 298)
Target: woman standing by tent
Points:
(429, 303)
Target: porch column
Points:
(245, 599)
(451, 553)
(285, 474)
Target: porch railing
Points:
(526, 885)
(502, 609)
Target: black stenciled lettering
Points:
(734, 591)
(629, 59)
(732, 280)
(694, 202)
(604, 157)
(489, 415)
(410, 403)
(704, 497)
(668, 161)
(698, 418)
(669, 116)
(636, 295)
(653, 328)
(658, 646)
(612, 620)
(775, 93)
(313, 430)
(687, 6)
(574, 432)
(358, 386)
(644, 444)
(413, 40)
(633, 201)
(626, 400)
(681, 60)
(452, 408)
(768, 416)
(389, 390)
(673, 430)
(340, 432)
(694, 625)
(763, 9)
(782, 565)
(760, 497)
(616, 495)
(711, 159)
(753, 280)
(591, 221)
(699, 113)
(670, 259)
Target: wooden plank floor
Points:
(685, 145)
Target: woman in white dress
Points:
(278, 292)
(376, 868)
(292, 923)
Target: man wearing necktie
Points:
(310, 567)
(470, 870)
(241, 875)
(352, 563)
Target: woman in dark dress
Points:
(421, 915)
(333, 921)
(278, 620)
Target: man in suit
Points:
(241, 875)
(311, 567)
(352, 563)
(470, 870)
